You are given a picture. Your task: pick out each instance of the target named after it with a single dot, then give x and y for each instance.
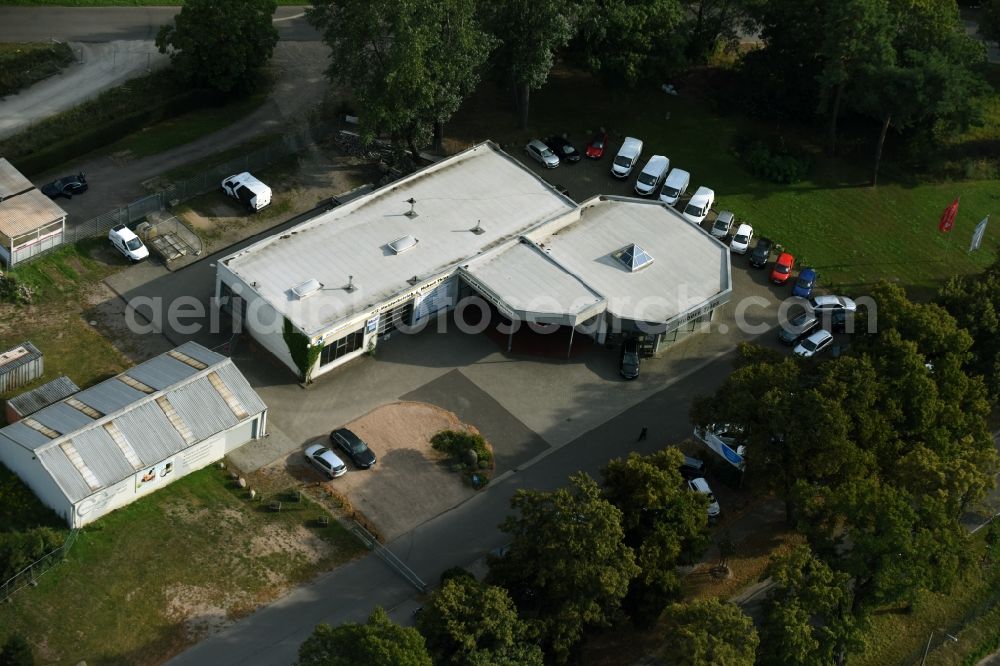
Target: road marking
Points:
(288, 18)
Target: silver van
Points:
(652, 175)
(675, 186)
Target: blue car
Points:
(804, 285)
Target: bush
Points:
(16, 652)
(21, 65)
(19, 549)
(777, 167)
(455, 572)
(455, 444)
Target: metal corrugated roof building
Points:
(27, 212)
(30, 402)
(103, 435)
(12, 181)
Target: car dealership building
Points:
(478, 227)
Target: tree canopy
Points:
(567, 567)
(709, 633)
(222, 44)
(466, 622)
(378, 642)
(974, 302)
(409, 64)
(664, 525)
(989, 22)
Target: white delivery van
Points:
(244, 187)
(699, 205)
(652, 175)
(126, 242)
(626, 158)
(675, 186)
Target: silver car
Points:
(723, 224)
(542, 154)
(326, 461)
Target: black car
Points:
(629, 368)
(692, 468)
(761, 252)
(840, 321)
(354, 447)
(798, 327)
(66, 187)
(563, 149)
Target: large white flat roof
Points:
(689, 267)
(482, 185)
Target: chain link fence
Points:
(30, 574)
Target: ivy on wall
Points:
(303, 354)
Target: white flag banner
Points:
(977, 235)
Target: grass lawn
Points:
(117, 3)
(185, 128)
(54, 321)
(853, 234)
(151, 578)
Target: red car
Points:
(595, 149)
(782, 268)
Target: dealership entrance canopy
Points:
(476, 224)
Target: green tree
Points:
(466, 622)
(989, 21)
(709, 633)
(710, 23)
(664, 526)
(378, 642)
(567, 567)
(529, 33)
(807, 616)
(626, 40)
(222, 44)
(409, 64)
(974, 302)
(16, 652)
(858, 34)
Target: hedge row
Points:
(771, 164)
(24, 64)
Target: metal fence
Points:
(390, 558)
(170, 237)
(210, 179)
(30, 574)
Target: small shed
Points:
(29, 402)
(30, 222)
(20, 365)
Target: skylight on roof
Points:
(402, 244)
(307, 288)
(633, 257)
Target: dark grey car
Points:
(354, 447)
(797, 328)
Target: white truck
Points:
(244, 187)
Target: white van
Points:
(126, 242)
(244, 187)
(652, 175)
(675, 186)
(626, 158)
(699, 205)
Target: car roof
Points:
(677, 176)
(703, 192)
(820, 335)
(725, 216)
(785, 257)
(656, 162)
(631, 143)
(826, 299)
(124, 232)
(807, 273)
(744, 230)
(538, 143)
(347, 434)
(700, 484)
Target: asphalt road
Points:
(108, 24)
(273, 634)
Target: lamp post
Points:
(928, 647)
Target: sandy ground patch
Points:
(409, 484)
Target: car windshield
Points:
(669, 191)
(597, 143)
(805, 283)
(781, 268)
(568, 149)
(623, 161)
(740, 238)
(721, 224)
(808, 344)
(356, 446)
(547, 153)
(647, 178)
(693, 209)
(133, 244)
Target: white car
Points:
(326, 461)
(699, 205)
(128, 243)
(542, 154)
(723, 224)
(830, 303)
(626, 158)
(741, 239)
(652, 175)
(675, 186)
(700, 485)
(814, 344)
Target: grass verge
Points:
(53, 322)
(116, 3)
(24, 64)
(160, 573)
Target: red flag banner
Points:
(948, 217)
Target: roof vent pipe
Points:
(350, 284)
(413, 210)
(478, 229)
